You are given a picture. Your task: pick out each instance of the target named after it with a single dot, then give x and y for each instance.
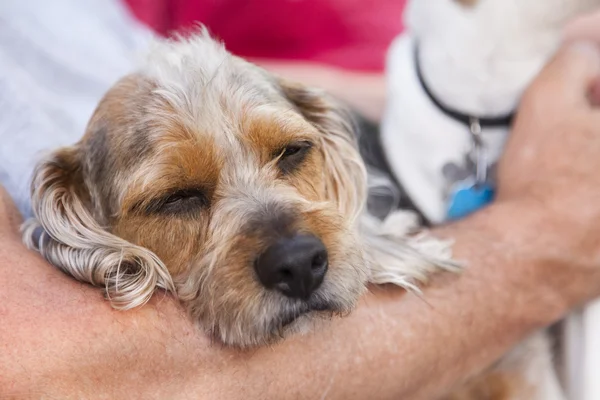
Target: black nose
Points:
(295, 266)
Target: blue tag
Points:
(467, 198)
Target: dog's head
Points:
(205, 175)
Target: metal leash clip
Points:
(480, 156)
(474, 192)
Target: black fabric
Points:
(371, 150)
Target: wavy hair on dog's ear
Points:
(344, 172)
(66, 233)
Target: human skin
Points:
(585, 26)
(531, 257)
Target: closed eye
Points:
(292, 156)
(183, 201)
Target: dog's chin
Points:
(304, 319)
(305, 312)
(293, 318)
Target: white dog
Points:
(455, 80)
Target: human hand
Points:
(584, 27)
(550, 171)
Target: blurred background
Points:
(349, 34)
(328, 43)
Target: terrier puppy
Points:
(239, 192)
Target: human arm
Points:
(584, 26)
(61, 339)
(529, 261)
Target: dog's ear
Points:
(344, 173)
(66, 233)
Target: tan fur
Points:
(196, 118)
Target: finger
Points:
(569, 78)
(586, 27)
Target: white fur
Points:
(198, 77)
(477, 60)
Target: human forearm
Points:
(402, 346)
(70, 343)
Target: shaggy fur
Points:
(190, 168)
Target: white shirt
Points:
(52, 77)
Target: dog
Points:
(462, 66)
(239, 192)
(455, 79)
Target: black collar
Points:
(503, 121)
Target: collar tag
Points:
(467, 197)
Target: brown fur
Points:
(195, 165)
(141, 147)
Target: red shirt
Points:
(352, 34)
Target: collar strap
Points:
(502, 121)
